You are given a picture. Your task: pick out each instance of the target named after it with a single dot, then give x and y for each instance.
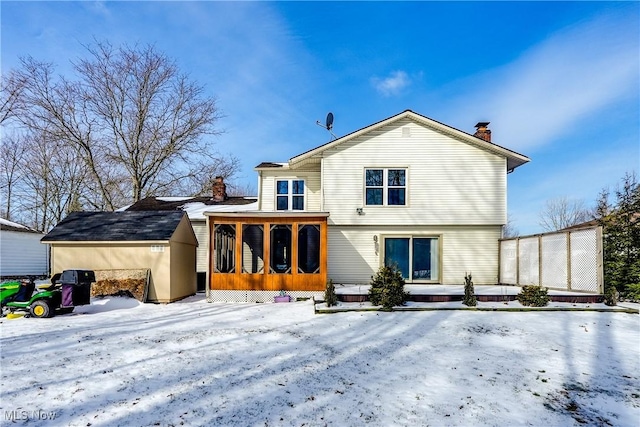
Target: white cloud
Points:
(98, 7)
(391, 85)
(542, 95)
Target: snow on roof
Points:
(196, 210)
(7, 225)
(12, 224)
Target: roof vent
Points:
(406, 132)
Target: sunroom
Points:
(254, 256)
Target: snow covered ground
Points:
(117, 362)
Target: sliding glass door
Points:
(417, 258)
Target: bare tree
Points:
(137, 125)
(12, 152)
(154, 116)
(200, 183)
(52, 109)
(563, 212)
(10, 91)
(53, 183)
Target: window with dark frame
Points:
(385, 187)
(290, 195)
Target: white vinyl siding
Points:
(354, 255)
(311, 180)
(23, 254)
(201, 232)
(449, 182)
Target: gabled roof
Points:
(115, 226)
(514, 159)
(195, 207)
(6, 225)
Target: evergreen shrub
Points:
(330, 297)
(610, 295)
(633, 292)
(387, 288)
(470, 299)
(533, 296)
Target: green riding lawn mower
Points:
(67, 290)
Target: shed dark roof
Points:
(269, 165)
(115, 226)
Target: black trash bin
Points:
(76, 287)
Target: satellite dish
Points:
(328, 124)
(329, 121)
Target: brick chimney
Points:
(219, 189)
(482, 132)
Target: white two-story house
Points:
(407, 190)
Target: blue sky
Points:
(559, 81)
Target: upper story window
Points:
(290, 195)
(385, 187)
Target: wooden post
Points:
(600, 259)
(568, 260)
(518, 261)
(540, 260)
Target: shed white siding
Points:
(311, 177)
(449, 182)
(354, 256)
(22, 254)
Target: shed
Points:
(195, 208)
(162, 241)
(21, 253)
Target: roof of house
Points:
(115, 226)
(195, 207)
(635, 217)
(6, 225)
(514, 159)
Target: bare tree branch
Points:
(563, 212)
(127, 125)
(10, 92)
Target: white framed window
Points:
(290, 194)
(385, 186)
(416, 257)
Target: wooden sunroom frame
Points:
(267, 280)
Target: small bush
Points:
(533, 296)
(610, 295)
(633, 292)
(470, 299)
(330, 297)
(387, 288)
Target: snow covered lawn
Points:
(117, 362)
